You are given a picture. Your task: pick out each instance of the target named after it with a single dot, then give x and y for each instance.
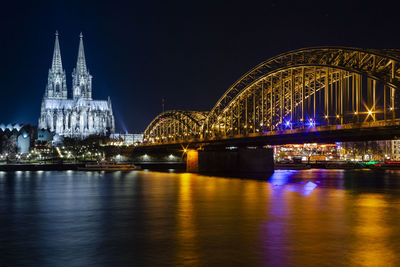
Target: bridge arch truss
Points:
(307, 88)
(175, 125)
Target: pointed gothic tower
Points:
(56, 83)
(81, 78)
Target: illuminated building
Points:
(80, 116)
(380, 150)
(305, 152)
(395, 147)
(126, 139)
(15, 138)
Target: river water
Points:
(293, 218)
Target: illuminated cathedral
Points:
(79, 116)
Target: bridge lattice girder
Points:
(175, 125)
(286, 88)
(304, 88)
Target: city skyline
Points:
(196, 53)
(199, 133)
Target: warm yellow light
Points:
(369, 112)
(326, 116)
(337, 116)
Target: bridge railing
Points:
(323, 128)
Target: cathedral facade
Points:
(80, 115)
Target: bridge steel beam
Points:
(306, 91)
(174, 125)
(323, 134)
(346, 84)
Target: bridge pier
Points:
(192, 160)
(223, 159)
(239, 162)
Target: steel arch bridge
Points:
(308, 89)
(175, 125)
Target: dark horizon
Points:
(139, 53)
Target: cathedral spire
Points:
(81, 62)
(56, 65)
(56, 83)
(81, 78)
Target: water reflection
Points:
(293, 218)
(186, 228)
(281, 180)
(372, 246)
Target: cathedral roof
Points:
(69, 104)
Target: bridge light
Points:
(391, 108)
(337, 116)
(369, 112)
(355, 113)
(326, 116)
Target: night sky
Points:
(188, 52)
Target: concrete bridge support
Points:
(242, 162)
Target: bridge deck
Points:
(378, 130)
